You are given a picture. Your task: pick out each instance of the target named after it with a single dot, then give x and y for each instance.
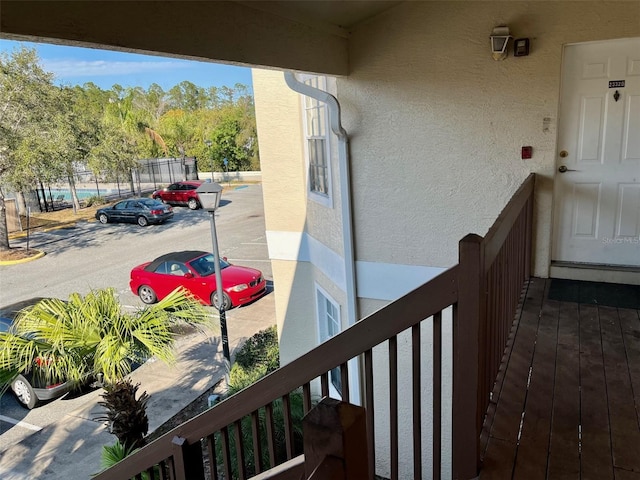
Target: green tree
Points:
(27, 123)
(187, 96)
(84, 107)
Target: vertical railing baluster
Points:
(437, 396)
(306, 397)
(417, 402)
(237, 431)
(211, 452)
(288, 429)
(257, 445)
(324, 384)
(226, 452)
(344, 380)
(271, 442)
(370, 411)
(393, 405)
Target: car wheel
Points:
(24, 391)
(142, 221)
(103, 218)
(225, 299)
(193, 204)
(147, 295)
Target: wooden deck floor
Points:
(567, 401)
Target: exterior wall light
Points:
(499, 42)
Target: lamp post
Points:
(208, 143)
(209, 195)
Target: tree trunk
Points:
(74, 194)
(22, 202)
(4, 231)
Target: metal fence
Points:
(149, 175)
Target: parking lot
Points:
(92, 256)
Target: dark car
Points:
(142, 211)
(180, 193)
(30, 388)
(195, 271)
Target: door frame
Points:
(570, 270)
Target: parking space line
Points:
(20, 423)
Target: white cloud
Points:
(81, 68)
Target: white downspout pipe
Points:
(345, 191)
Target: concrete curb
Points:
(40, 254)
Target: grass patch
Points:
(65, 217)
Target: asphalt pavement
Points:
(70, 447)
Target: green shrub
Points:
(240, 377)
(259, 356)
(260, 350)
(94, 200)
(112, 454)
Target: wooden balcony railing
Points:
(237, 437)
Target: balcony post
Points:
(469, 317)
(187, 460)
(335, 441)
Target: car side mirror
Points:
(188, 275)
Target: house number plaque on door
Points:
(616, 84)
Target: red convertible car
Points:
(195, 271)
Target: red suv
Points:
(180, 193)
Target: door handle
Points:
(563, 168)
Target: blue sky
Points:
(76, 66)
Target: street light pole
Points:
(219, 293)
(209, 194)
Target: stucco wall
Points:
(304, 237)
(280, 143)
(295, 304)
(437, 124)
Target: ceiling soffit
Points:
(298, 35)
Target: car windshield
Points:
(205, 265)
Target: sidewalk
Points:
(71, 449)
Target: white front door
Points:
(597, 198)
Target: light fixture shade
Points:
(209, 194)
(499, 42)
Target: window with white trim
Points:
(329, 325)
(316, 129)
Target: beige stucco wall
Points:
(289, 212)
(437, 124)
(280, 143)
(295, 304)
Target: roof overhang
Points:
(309, 36)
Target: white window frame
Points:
(324, 318)
(317, 130)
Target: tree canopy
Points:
(48, 131)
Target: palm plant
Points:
(91, 336)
